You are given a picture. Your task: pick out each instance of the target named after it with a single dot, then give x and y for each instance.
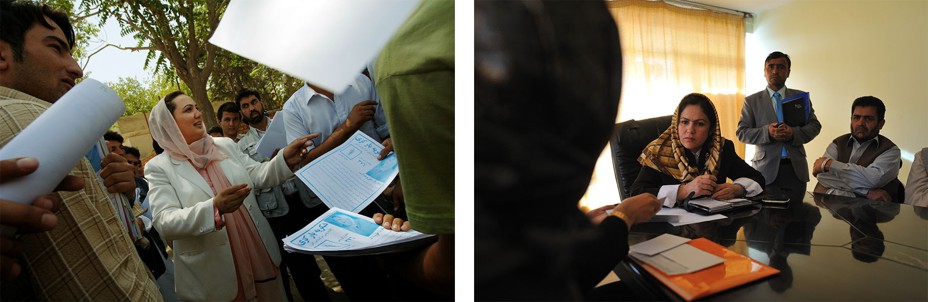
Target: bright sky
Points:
(112, 63)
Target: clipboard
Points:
(735, 271)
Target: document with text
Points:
(342, 233)
(350, 177)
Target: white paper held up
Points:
(274, 138)
(350, 177)
(92, 106)
(323, 42)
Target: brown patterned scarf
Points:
(667, 154)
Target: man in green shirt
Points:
(414, 76)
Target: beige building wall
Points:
(134, 129)
(842, 50)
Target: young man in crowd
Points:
(36, 69)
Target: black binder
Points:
(796, 110)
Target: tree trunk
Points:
(198, 89)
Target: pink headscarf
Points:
(165, 131)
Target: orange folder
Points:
(735, 271)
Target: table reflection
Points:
(836, 248)
(780, 232)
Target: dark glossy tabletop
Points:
(826, 248)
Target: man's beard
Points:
(258, 119)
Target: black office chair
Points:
(627, 142)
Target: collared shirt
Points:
(88, 256)
(249, 143)
(773, 101)
(308, 111)
(848, 178)
(271, 200)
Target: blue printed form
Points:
(339, 232)
(350, 177)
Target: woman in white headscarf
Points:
(222, 251)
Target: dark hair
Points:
(169, 100)
(777, 55)
(229, 107)
(17, 17)
(246, 93)
(133, 151)
(870, 101)
(113, 136)
(215, 129)
(703, 102)
(157, 147)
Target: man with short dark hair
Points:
(862, 163)
(780, 155)
(229, 120)
(36, 69)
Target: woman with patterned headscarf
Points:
(691, 156)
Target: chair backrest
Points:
(627, 142)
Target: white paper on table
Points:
(349, 176)
(682, 259)
(274, 138)
(90, 105)
(662, 216)
(689, 217)
(340, 230)
(658, 244)
(679, 216)
(323, 42)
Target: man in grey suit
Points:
(780, 154)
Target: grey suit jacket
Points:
(756, 114)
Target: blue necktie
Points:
(779, 109)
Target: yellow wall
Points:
(842, 50)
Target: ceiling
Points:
(751, 6)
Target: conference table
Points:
(826, 247)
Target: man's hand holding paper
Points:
(37, 217)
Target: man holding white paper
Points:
(336, 116)
(36, 69)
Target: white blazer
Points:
(182, 209)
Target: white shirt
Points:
(308, 111)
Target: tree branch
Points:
(133, 49)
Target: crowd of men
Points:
(72, 244)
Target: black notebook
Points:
(796, 110)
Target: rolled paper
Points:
(59, 137)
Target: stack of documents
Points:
(672, 255)
(342, 233)
(697, 268)
(714, 206)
